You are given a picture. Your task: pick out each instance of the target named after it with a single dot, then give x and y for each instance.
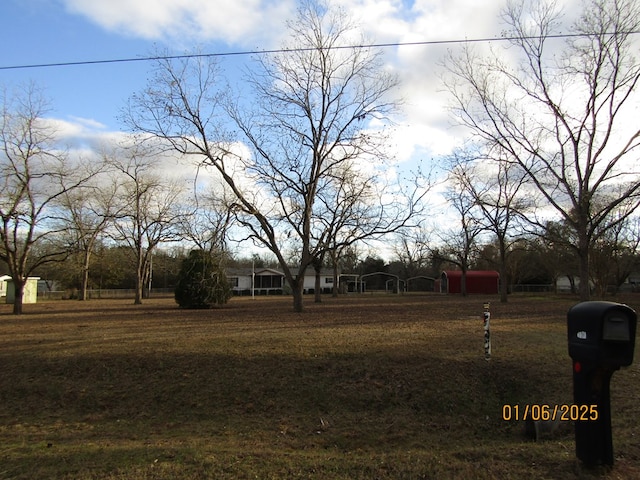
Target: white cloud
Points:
(261, 24)
(241, 22)
(423, 127)
(75, 127)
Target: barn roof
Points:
(472, 273)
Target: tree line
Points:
(536, 262)
(302, 165)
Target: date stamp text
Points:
(536, 412)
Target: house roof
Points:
(247, 271)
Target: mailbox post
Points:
(601, 337)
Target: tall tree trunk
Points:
(336, 279)
(139, 282)
(504, 286)
(318, 284)
(296, 289)
(463, 282)
(85, 278)
(584, 289)
(18, 298)
(138, 295)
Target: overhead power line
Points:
(291, 50)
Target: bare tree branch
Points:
(562, 117)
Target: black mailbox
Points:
(602, 333)
(601, 337)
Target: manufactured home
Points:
(269, 281)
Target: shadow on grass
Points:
(79, 411)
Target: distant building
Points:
(30, 294)
(269, 281)
(3, 285)
(477, 281)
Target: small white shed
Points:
(30, 294)
(3, 284)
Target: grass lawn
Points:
(360, 387)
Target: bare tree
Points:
(152, 209)
(357, 206)
(460, 243)
(208, 219)
(310, 114)
(413, 254)
(34, 175)
(614, 257)
(412, 250)
(557, 254)
(86, 214)
(496, 188)
(565, 117)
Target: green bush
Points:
(202, 282)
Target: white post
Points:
(487, 332)
(253, 279)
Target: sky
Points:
(86, 100)
(89, 98)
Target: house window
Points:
(328, 279)
(233, 281)
(268, 281)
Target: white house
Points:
(563, 283)
(326, 280)
(264, 281)
(269, 281)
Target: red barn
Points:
(478, 281)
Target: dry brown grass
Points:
(359, 387)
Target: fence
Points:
(104, 293)
(107, 293)
(542, 288)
